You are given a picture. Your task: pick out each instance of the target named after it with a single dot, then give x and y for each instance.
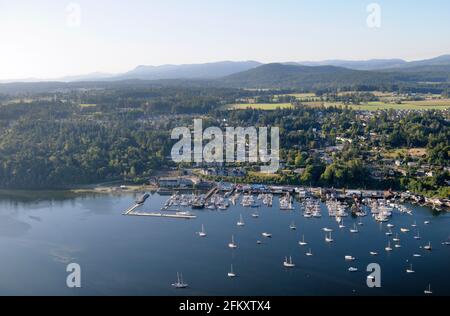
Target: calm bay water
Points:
(125, 255)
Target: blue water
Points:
(125, 255)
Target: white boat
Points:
(389, 233)
(398, 246)
(396, 239)
(288, 263)
(350, 258)
(360, 223)
(416, 255)
(255, 215)
(390, 225)
(353, 269)
(446, 243)
(373, 253)
(267, 235)
(180, 283)
(428, 247)
(327, 230)
(388, 248)
(292, 226)
(341, 224)
(354, 230)
(303, 242)
(417, 237)
(202, 233)
(428, 291)
(232, 244)
(426, 222)
(231, 274)
(404, 230)
(259, 242)
(414, 225)
(241, 221)
(329, 239)
(309, 253)
(410, 269)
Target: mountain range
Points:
(253, 74)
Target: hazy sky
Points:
(47, 38)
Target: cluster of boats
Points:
(248, 200)
(311, 208)
(337, 208)
(286, 203)
(382, 211)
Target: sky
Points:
(55, 38)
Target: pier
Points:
(211, 193)
(131, 209)
(176, 216)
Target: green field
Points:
(260, 106)
(442, 104)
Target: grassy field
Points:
(413, 152)
(374, 106)
(263, 176)
(260, 106)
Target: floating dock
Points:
(131, 209)
(177, 216)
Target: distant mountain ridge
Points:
(188, 71)
(253, 74)
(372, 64)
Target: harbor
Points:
(326, 253)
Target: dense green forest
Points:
(82, 136)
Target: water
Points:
(125, 255)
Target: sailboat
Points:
(388, 248)
(428, 291)
(341, 224)
(180, 283)
(350, 258)
(360, 223)
(373, 253)
(354, 230)
(404, 230)
(231, 274)
(309, 253)
(396, 239)
(288, 264)
(417, 237)
(428, 247)
(241, 221)
(390, 225)
(202, 233)
(303, 242)
(232, 244)
(410, 269)
(389, 233)
(415, 224)
(328, 239)
(327, 230)
(255, 215)
(292, 226)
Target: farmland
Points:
(260, 106)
